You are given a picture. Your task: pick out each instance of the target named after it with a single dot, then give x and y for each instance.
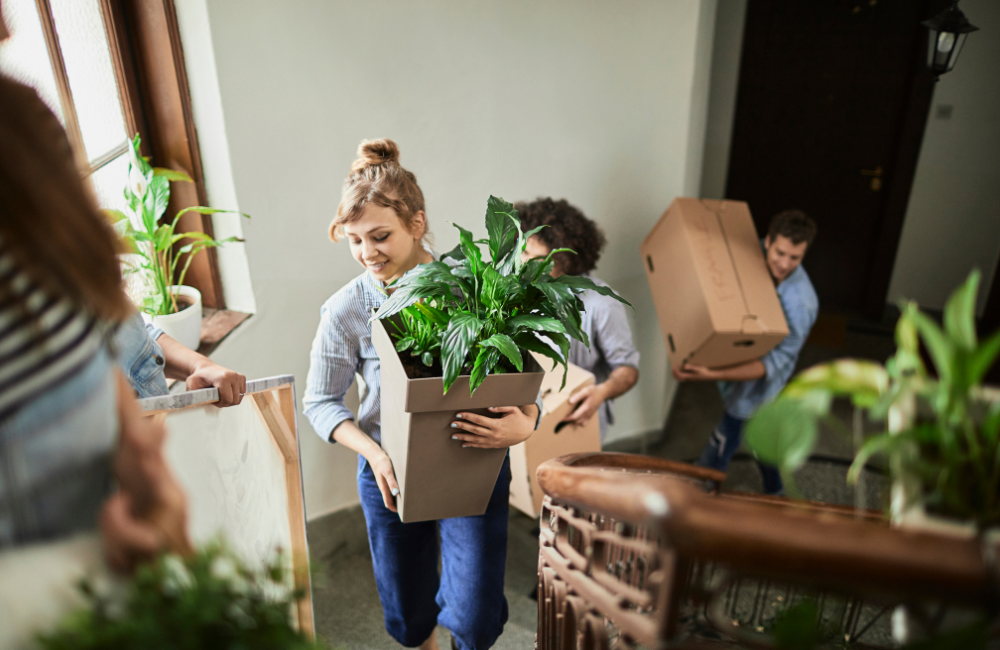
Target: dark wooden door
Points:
(831, 105)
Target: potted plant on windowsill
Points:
(169, 303)
(941, 435)
(455, 336)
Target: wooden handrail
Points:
(798, 543)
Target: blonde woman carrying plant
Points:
(382, 215)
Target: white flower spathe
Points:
(137, 182)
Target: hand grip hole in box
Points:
(743, 344)
(649, 261)
(562, 425)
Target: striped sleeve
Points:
(43, 340)
(333, 361)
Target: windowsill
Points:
(216, 325)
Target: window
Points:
(109, 69)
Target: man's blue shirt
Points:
(801, 306)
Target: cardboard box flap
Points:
(552, 397)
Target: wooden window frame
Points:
(148, 61)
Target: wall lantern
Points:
(947, 36)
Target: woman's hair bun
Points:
(376, 152)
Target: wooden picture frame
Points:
(225, 458)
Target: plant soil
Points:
(415, 368)
(183, 302)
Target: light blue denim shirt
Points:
(141, 357)
(801, 306)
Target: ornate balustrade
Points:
(636, 552)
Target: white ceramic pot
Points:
(184, 326)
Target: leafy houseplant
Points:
(147, 194)
(475, 316)
(951, 445)
(210, 600)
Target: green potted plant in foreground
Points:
(211, 600)
(939, 434)
(173, 306)
(454, 336)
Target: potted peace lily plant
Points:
(172, 306)
(940, 434)
(454, 335)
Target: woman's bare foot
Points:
(431, 643)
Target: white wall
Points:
(601, 103)
(725, 74)
(953, 219)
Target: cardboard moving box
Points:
(715, 299)
(437, 477)
(553, 438)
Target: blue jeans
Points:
(722, 446)
(467, 597)
(141, 357)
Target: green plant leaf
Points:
(938, 345)
(455, 346)
(782, 433)
(172, 174)
(506, 346)
(581, 283)
(534, 322)
(201, 209)
(427, 358)
(456, 254)
(469, 248)
(485, 362)
(503, 231)
(863, 381)
(409, 291)
(436, 316)
(798, 627)
(530, 341)
(882, 443)
(991, 423)
(563, 305)
(983, 358)
(960, 313)
(404, 344)
(157, 196)
(536, 268)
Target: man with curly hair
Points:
(612, 356)
(746, 386)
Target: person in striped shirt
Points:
(381, 214)
(69, 422)
(612, 356)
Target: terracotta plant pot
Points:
(184, 326)
(438, 478)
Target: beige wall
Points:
(601, 103)
(953, 219)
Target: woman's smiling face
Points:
(382, 243)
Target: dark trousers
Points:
(722, 446)
(467, 597)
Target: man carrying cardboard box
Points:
(746, 386)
